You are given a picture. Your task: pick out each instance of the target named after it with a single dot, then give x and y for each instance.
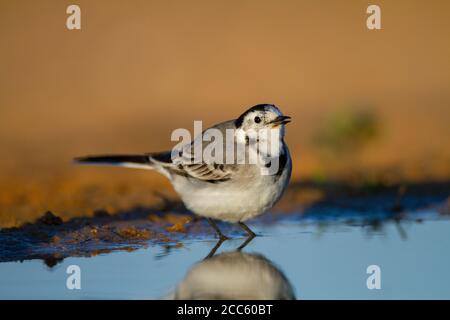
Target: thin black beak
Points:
(281, 120)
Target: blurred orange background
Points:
(139, 69)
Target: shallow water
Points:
(317, 260)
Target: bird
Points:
(229, 191)
(243, 276)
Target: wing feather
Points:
(185, 164)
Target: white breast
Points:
(242, 198)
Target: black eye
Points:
(257, 119)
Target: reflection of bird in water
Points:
(235, 275)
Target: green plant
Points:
(348, 131)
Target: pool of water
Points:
(307, 260)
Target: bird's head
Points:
(261, 116)
(262, 126)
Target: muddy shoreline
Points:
(169, 224)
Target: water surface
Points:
(319, 259)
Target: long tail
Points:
(129, 161)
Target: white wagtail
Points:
(232, 192)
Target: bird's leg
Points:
(250, 233)
(213, 250)
(216, 228)
(250, 237)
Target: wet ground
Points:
(317, 243)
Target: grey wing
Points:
(209, 172)
(203, 169)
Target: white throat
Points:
(268, 142)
